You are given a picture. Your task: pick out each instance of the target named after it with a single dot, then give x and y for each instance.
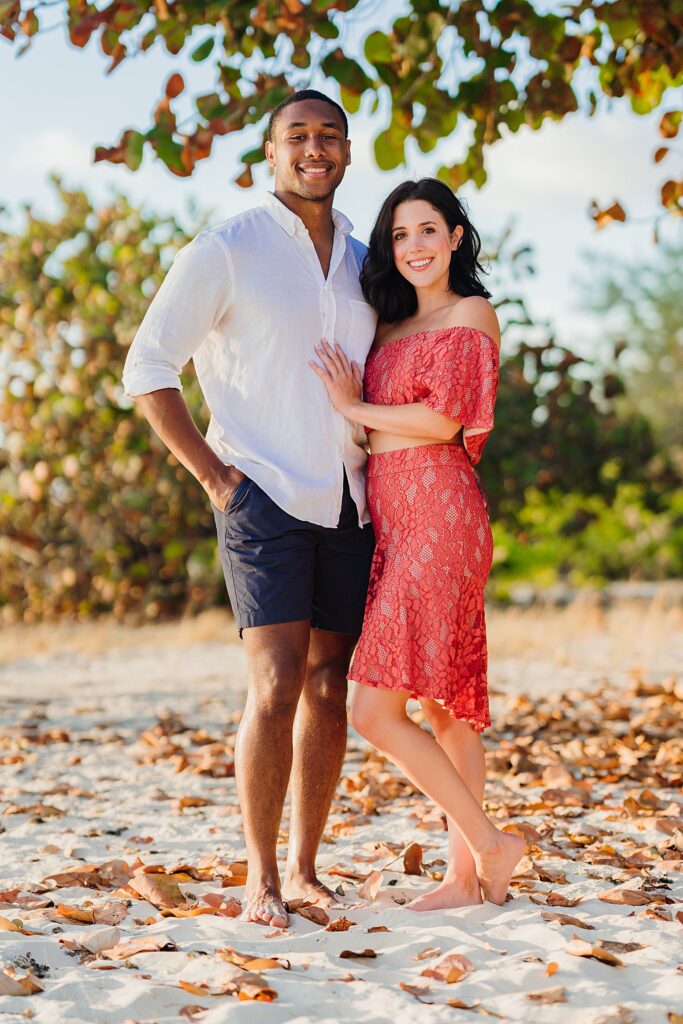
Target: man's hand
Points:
(170, 418)
(222, 489)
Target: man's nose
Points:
(315, 146)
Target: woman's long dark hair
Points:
(384, 287)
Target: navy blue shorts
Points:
(280, 569)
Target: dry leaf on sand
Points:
(161, 891)
(579, 947)
(458, 1004)
(110, 875)
(452, 968)
(192, 1012)
(378, 928)
(427, 953)
(363, 954)
(419, 991)
(305, 908)
(616, 1015)
(251, 961)
(148, 944)
(370, 888)
(187, 910)
(243, 984)
(93, 940)
(11, 926)
(340, 924)
(224, 906)
(11, 986)
(628, 897)
(575, 922)
(549, 995)
(412, 859)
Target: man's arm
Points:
(169, 417)
(192, 298)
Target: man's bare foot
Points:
(309, 888)
(496, 864)
(452, 892)
(266, 906)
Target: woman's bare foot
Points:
(265, 906)
(496, 863)
(309, 888)
(451, 892)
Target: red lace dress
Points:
(424, 629)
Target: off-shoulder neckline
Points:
(436, 330)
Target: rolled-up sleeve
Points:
(192, 299)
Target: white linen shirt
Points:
(247, 301)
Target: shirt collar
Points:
(291, 223)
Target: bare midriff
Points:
(380, 441)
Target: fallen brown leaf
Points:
(245, 985)
(549, 995)
(340, 924)
(378, 928)
(628, 897)
(160, 890)
(371, 887)
(476, 1006)
(364, 954)
(12, 986)
(575, 922)
(148, 944)
(192, 1012)
(579, 947)
(452, 968)
(93, 940)
(427, 953)
(412, 859)
(616, 1015)
(250, 961)
(224, 906)
(419, 991)
(11, 926)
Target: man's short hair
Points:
(297, 97)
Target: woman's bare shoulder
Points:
(474, 311)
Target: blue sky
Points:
(544, 181)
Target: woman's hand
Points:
(343, 380)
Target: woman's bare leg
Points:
(460, 885)
(380, 716)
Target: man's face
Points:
(309, 151)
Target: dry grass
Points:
(632, 633)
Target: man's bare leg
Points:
(319, 747)
(276, 660)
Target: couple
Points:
(279, 309)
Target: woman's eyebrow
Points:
(424, 224)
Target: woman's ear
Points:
(456, 237)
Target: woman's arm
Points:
(344, 383)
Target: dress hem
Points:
(477, 723)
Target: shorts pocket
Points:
(238, 495)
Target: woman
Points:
(430, 389)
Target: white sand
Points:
(71, 740)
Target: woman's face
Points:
(423, 244)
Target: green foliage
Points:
(641, 311)
(95, 517)
(497, 65)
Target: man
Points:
(249, 300)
